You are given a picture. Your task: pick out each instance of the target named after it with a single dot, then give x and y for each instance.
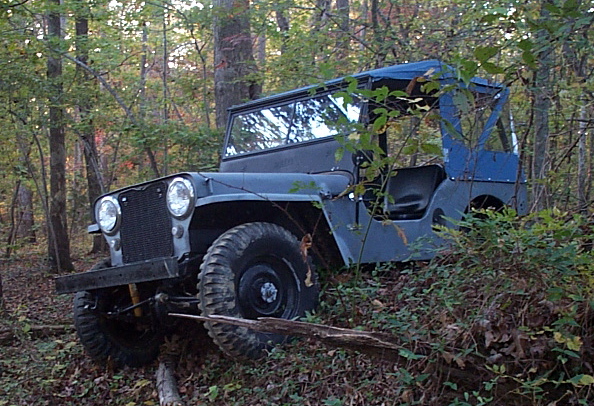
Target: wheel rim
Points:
(267, 289)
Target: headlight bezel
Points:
(113, 229)
(190, 200)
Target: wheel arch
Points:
(299, 217)
(485, 201)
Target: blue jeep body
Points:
(288, 162)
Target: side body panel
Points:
(377, 240)
(360, 237)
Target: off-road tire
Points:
(122, 343)
(254, 270)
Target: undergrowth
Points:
(502, 316)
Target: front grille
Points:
(146, 223)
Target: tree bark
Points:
(283, 25)
(25, 220)
(58, 242)
(542, 103)
(95, 184)
(343, 10)
(235, 67)
(167, 384)
(371, 343)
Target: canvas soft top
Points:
(405, 71)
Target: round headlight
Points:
(108, 214)
(180, 197)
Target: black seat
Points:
(409, 191)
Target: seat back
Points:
(409, 191)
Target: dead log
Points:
(372, 343)
(167, 384)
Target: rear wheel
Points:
(106, 334)
(254, 270)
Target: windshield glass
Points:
(301, 121)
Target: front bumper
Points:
(144, 271)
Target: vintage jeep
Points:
(294, 190)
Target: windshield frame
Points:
(293, 99)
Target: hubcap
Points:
(269, 292)
(266, 290)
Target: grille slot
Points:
(146, 224)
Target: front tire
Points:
(254, 270)
(128, 342)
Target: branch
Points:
(166, 383)
(107, 86)
(373, 343)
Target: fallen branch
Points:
(369, 342)
(381, 345)
(167, 384)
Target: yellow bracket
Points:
(135, 299)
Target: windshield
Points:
(296, 122)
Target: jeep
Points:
(357, 170)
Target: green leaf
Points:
(431, 149)
(490, 18)
(525, 45)
(409, 149)
(582, 380)
(403, 352)
(552, 8)
(379, 123)
(491, 68)
(339, 154)
(529, 59)
(570, 5)
(586, 380)
(483, 54)
(353, 83)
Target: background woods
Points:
(95, 95)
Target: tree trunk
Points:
(95, 185)
(378, 35)
(235, 68)
(58, 242)
(25, 221)
(582, 185)
(542, 103)
(283, 25)
(343, 10)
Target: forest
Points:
(97, 95)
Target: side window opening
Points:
(414, 140)
(474, 110)
(501, 138)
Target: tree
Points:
(86, 132)
(540, 163)
(235, 70)
(58, 242)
